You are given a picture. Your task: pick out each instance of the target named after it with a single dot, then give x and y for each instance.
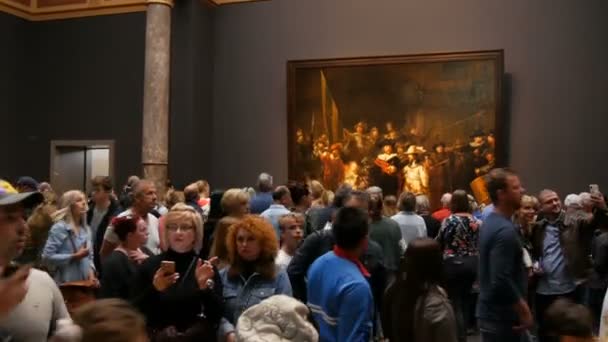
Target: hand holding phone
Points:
(596, 197)
(168, 267)
(165, 276)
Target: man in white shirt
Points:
(30, 302)
(411, 225)
(282, 200)
(144, 201)
(291, 235)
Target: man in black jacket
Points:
(101, 211)
(322, 241)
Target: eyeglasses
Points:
(174, 227)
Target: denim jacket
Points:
(58, 253)
(241, 294)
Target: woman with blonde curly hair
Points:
(252, 275)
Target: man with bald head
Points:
(559, 240)
(144, 201)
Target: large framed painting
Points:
(427, 124)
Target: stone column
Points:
(155, 137)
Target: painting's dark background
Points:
(444, 101)
(83, 78)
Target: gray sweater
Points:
(42, 306)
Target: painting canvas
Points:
(426, 124)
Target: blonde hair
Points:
(65, 207)
(327, 197)
(529, 200)
(172, 197)
(316, 189)
(285, 218)
(232, 199)
(203, 187)
(184, 213)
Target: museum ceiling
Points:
(40, 10)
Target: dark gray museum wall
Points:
(555, 55)
(82, 79)
(11, 43)
(84, 82)
(191, 92)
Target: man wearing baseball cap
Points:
(29, 299)
(27, 184)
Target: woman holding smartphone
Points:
(68, 247)
(180, 294)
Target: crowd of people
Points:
(298, 262)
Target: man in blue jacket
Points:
(339, 295)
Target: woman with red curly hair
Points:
(252, 275)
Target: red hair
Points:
(266, 237)
(124, 225)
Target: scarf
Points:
(343, 254)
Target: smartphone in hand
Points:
(594, 189)
(168, 267)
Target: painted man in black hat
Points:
(385, 171)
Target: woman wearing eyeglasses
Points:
(180, 294)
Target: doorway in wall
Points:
(75, 162)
